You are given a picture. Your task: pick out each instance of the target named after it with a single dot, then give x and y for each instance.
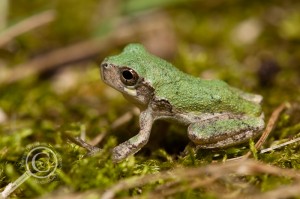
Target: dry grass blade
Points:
(26, 25)
(270, 126)
(4, 4)
(288, 191)
(194, 183)
(124, 118)
(213, 171)
(98, 138)
(127, 32)
(78, 141)
(54, 59)
(280, 145)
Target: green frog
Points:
(216, 114)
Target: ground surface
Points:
(51, 90)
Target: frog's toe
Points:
(117, 155)
(122, 151)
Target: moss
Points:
(72, 100)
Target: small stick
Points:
(127, 32)
(280, 145)
(78, 141)
(124, 118)
(98, 138)
(287, 191)
(215, 171)
(82, 143)
(270, 126)
(26, 25)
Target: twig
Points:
(127, 32)
(270, 126)
(288, 191)
(124, 118)
(55, 58)
(26, 25)
(96, 140)
(183, 187)
(240, 167)
(116, 124)
(84, 144)
(209, 177)
(77, 140)
(280, 145)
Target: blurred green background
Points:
(50, 83)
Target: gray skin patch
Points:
(145, 93)
(162, 106)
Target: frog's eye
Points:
(128, 76)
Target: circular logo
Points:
(41, 162)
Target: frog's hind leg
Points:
(223, 133)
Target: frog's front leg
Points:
(225, 132)
(135, 143)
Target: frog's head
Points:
(127, 73)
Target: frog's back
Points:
(185, 93)
(188, 93)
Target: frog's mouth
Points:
(137, 91)
(110, 75)
(102, 66)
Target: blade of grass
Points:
(26, 25)
(4, 5)
(240, 167)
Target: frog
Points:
(216, 114)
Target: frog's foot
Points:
(129, 147)
(223, 133)
(135, 143)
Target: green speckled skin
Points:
(217, 115)
(184, 92)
